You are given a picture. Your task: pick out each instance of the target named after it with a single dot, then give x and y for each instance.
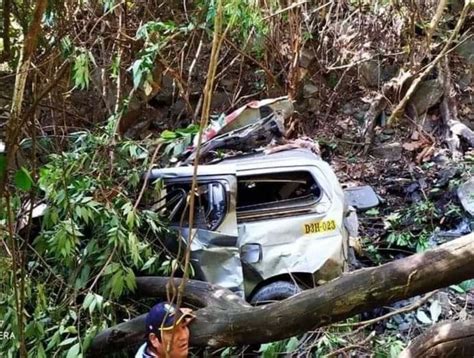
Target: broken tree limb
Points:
(434, 22)
(378, 105)
(448, 110)
(400, 108)
(454, 129)
(376, 108)
(351, 294)
(446, 339)
(196, 293)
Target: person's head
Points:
(160, 333)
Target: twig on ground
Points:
(405, 309)
(352, 346)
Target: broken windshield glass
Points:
(210, 205)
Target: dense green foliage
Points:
(91, 243)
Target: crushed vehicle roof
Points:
(295, 156)
(285, 158)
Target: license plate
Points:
(319, 226)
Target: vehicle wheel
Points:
(275, 291)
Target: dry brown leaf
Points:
(425, 154)
(412, 146)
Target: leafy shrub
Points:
(93, 240)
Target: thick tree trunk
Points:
(227, 321)
(447, 339)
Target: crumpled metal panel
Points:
(222, 266)
(249, 113)
(218, 257)
(286, 248)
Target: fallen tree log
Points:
(446, 339)
(227, 321)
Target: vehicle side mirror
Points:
(251, 253)
(361, 197)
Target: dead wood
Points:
(454, 129)
(446, 339)
(400, 108)
(434, 22)
(227, 321)
(377, 106)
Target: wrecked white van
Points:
(265, 224)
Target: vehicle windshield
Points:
(210, 204)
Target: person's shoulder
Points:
(142, 353)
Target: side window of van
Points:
(210, 204)
(276, 191)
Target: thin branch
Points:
(434, 22)
(399, 109)
(296, 4)
(405, 309)
(352, 346)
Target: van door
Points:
(214, 251)
(290, 221)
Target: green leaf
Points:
(131, 219)
(137, 73)
(71, 329)
(111, 268)
(130, 280)
(168, 135)
(150, 262)
(92, 306)
(68, 341)
(54, 341)
(395, 349)
(467, 285)
(23, 179)
(117, 283)
(457, 289)
(80, 70)
(88, 300)
(73, 352)
(292, 344)
(99, 300)
(66, 46)
(40, 353)
(373, 212)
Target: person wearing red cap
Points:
(167, 332)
